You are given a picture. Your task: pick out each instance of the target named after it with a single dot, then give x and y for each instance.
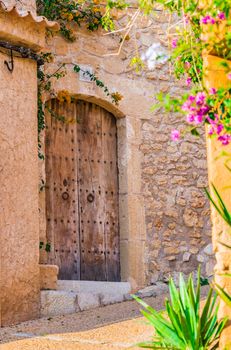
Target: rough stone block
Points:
(154, 290)
(209, 249)
(55, 303)
(48, 276)
(186, 256)
(88, 301)
(111, 298)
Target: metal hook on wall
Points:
(10, 64)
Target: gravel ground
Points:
(79, 322)
(114, 327)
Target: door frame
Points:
(132, 227)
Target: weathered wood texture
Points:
(82, 192)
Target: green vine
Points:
(116, 97)
(92, 14)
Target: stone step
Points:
(75, 296)
(94, 287)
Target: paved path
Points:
(113, 327)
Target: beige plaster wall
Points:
(19, 229)
(164, 216)
(219, 160)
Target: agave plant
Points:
(184, 327)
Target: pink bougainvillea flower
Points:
(198, 119)
(186, 106)
(211, 130)
(212, 91)
(203, 110)
(191, 98)
(225, 139)
(175, 135)
(208, 20)
(220, 127)
(221, 16)
(190, 118)
(188, 81)
(174, 43)
(229, 75)
(200, 98)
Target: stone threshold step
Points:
(75, 296)
(94, 286)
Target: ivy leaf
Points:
(195, 132)
(77, 68)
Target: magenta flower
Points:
(212, 91)
(229, 75)
(190, 118)
(200, 98)
(221, 16)
(175, 135)
(174, 43)
(211, 130)
(188, 81)
(225, 139)
(220, 127)
(191, 98)
(187, 65)
(203, 110)
(208, 20)
(198, 119)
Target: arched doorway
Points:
(82, 191)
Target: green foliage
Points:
(44, 85)
(47, 246)
(137, 63)
(185, 327)
(223, 294)
(91, 13)
(67, 11)
(115, 96)
(204, 281)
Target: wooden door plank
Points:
(62, 213)
(110, 172)
(91, 200)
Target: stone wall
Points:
(164, 215)
(176, 209)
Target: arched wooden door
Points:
(82, 192)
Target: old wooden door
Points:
(82, 192)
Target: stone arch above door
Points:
(82, 191)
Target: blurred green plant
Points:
(184, 327)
